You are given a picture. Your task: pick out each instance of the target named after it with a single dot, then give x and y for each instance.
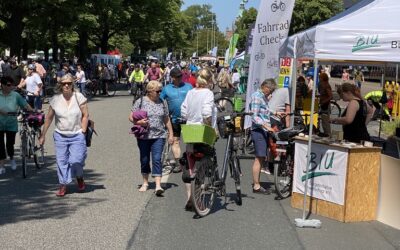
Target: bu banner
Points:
(327, 176)
(272, 26)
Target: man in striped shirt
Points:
(259, 129)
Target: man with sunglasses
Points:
(175, 93)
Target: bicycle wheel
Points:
(24, 154)
(336, 111)
(224, 106)
(203, 193)
(236, 172)
(38, 150)
(112, 88)
(283, 176)
(93, 87)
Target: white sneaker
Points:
(2, 170)
(13, 165)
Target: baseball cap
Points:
(175, 72)
(31, 66)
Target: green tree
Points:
(13, 13)
(242, 26)
(308, 13)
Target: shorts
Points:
(176, 129)
(260, 139)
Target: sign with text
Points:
(285, 72)
(327, 174)
(272, 26)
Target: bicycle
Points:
(96, 85)
(30, 133)
(283, 155)
(275, 6)
(137, 89)
(202, 160)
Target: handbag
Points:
(89, 129)
(139, 114)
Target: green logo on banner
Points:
(365, 42)
(316, 163)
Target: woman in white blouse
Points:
(71, 118)
(198, 108)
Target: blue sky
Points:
(226, 10)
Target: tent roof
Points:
(364, 32)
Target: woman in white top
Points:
(198, 108)
(34, 86)
(71, 119)
(80, 79)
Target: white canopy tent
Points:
(368, 31)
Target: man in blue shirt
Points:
(175, 94)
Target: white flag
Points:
(272, 26)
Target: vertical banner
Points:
(232, 46)
(214, 51)
(272, 26)
(285, 72)
(250, 34)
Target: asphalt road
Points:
(112, 214)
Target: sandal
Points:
(261, 190)
(159, 191)
(144, 188)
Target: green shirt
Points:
(10, 103)
(137, 75)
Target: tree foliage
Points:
(81, 27)
(308, 13)
(243, 24)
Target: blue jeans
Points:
(155, 147)
(34, 101)
(82, 87)
(70, 156)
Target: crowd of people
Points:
(175, 93)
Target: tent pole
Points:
(303, 222)
(294, 83)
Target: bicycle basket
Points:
(35, 120)
(198, 134)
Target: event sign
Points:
(285, 72)
(327, 176)
(272, 26)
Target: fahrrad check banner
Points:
(272, 26)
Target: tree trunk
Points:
(104, 42)
(54, 42)
(25, 48)
(46, 53)
(83, 45)
(15, 27)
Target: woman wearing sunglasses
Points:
(10, 102)
(159, 129)
(70, 110)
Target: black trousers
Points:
(9, 145)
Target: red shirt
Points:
(192, 80)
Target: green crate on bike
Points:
(237, 104)
(194, 133)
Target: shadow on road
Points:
(34, 198)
